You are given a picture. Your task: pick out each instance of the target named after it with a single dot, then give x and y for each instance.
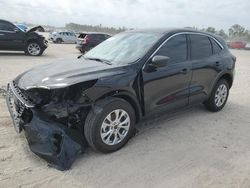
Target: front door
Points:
(11, 38)
(168, 87)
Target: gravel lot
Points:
(190, 148)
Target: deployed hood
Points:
(37, 28)
(65, 73)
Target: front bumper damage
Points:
(58, 144)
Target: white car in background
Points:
(63, 37)
(247, 47)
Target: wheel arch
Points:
(228, 76)
(130, 98)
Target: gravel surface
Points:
(189, 148)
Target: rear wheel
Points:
(34, 49)
(218, 96)
(109, 125)
(59, 40)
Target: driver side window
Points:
(175, 48)
(6, 26)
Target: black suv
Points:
(102, 95)
(13, 38)
(86, 41)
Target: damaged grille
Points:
(20, 95)
(18, 106)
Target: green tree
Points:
(237, 31)
(222, 34)
(211, 30)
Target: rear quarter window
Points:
(200, 46)
(216, 47)
(82, 35)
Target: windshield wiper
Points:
(100, 60)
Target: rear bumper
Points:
(82, 48)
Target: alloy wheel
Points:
(221, 95)
(115, 127)
(34, 49)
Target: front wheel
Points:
(109, 125)
(218, 96)
(34, 49)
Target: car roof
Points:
(168, 31)
(95, 33)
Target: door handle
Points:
(1, 34)
(184, 71)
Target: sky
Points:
(220, 14)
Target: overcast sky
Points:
(130, 13)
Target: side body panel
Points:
(10, 39)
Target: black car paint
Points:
(18, 40)
(65, 94)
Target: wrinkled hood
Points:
(65, 73)
(37, 28)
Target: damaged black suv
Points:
(14, 38)
(100, 96)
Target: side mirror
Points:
(16, 30)
(159, 61)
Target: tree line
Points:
(90, 28)
(235, 32)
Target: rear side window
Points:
(216, 47)
(175, 48)
(200, 46)
(82, 35)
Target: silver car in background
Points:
(63, 37)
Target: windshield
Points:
(124, 48)
(22, 27)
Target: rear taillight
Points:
(85, 40)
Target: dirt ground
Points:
(190, 148)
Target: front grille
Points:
(20, 95)
(18, 106)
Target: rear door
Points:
(11, 38)
(206, 64)
(168, 87)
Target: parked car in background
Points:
(63, 37)
(12, 38)
(101, 96)
(247, 47)
(86, 41)
(237, 45)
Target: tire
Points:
(218, 100)
(34, 48)
(97, 119)
(59, 40)
(82, 51)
